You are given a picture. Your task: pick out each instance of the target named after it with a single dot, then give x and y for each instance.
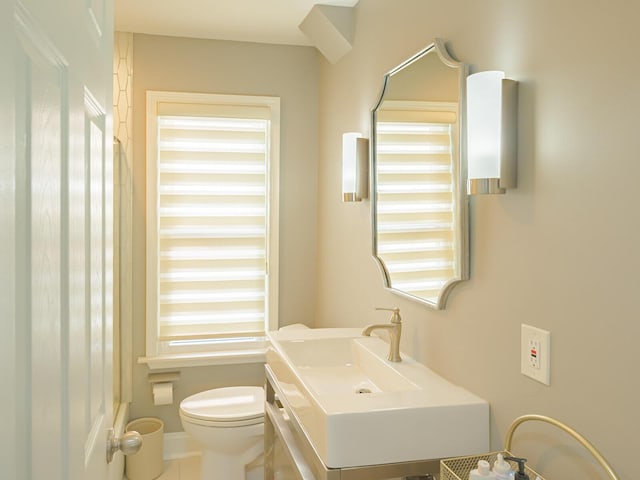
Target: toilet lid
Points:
(228, 404)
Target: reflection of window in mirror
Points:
(419, 208)
(416, 199)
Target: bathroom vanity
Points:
(337, 409)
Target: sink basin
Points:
(343, 365)
(357, 408)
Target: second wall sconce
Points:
(355, 167)
(492, 111)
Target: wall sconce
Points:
(492, 111)
(355, 167)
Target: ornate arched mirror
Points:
(419, 200)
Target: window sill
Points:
(231, 357)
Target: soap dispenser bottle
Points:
(520, 474)
(502, 469)
(483, 472)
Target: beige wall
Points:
(561, 252)
(179, 64)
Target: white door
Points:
(55, 238)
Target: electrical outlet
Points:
(535, 347)
(534, 353)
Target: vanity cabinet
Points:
(290, 455)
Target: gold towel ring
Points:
(583, 441)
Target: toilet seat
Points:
(225, 407)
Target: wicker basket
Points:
(459, 468)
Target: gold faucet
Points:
(394, 328)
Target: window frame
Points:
(221, 352)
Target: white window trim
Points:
(253, 354)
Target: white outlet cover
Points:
(535, 353)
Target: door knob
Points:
(129, 443)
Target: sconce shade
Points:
(355, 151)
(491, 132)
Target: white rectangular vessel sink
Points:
(357, 408)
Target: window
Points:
(212, 204)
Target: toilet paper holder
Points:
(162, 387)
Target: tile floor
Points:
(187, 468)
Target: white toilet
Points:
(228, 424)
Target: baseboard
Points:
(179, 445)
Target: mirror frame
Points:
(461, 210)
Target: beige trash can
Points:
(147, 464)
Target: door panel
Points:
(11, 453)
(40, 82)
(44, 162)
(55, 240)
(98, 419)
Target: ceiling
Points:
(261, 21)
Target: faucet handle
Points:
(395, 318)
